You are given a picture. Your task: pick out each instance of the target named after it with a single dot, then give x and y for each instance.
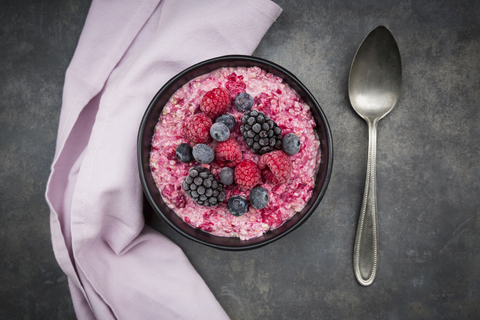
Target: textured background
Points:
(428, 169)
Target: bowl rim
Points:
(250, 59)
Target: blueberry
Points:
(237, 205)
(228, 120)
(219, 131)
(203, 153)
(184, 152)
(243, 102)
(259, 197)
(291, 144)
(226, 176)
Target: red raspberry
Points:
(247, 174)
(197, 128)
(276, 166)
(228, 153)
(215, 102)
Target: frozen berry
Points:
(247, 174)
(203, 153)
(228, 153)
(197, 128)
(276, 166)
(237, 205)
(228, 120)
(219, 131)
(226, 176)
(243, 102)
(259, 197)
(291, 144)
(202, 187)
(184, 152)
(215, 102)
(265, 133)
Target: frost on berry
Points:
(197, 128)
(247, 174)
(228, 153)
(276, 166)
(215, 102)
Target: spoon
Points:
(373, 88)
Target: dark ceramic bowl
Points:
(144, 145)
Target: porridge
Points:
(235, 152)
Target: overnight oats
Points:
(235, 152)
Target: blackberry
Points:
(202, 187)
(260, 133)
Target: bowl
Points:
(146, 132)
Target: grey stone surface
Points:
(428, 169)
(37, 41)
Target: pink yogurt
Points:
(278, 101)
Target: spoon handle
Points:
(365, 252)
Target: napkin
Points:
(117, 267)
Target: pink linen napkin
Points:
(117, 267)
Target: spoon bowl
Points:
(373, 88)
(376, 75)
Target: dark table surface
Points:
(428, 168)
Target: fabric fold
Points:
(118, 268)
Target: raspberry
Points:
(197, 128)
(276, 166)
(215, 102)
(228, 153)
(247, 174)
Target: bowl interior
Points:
(150, 120)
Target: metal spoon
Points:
(373, 88)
